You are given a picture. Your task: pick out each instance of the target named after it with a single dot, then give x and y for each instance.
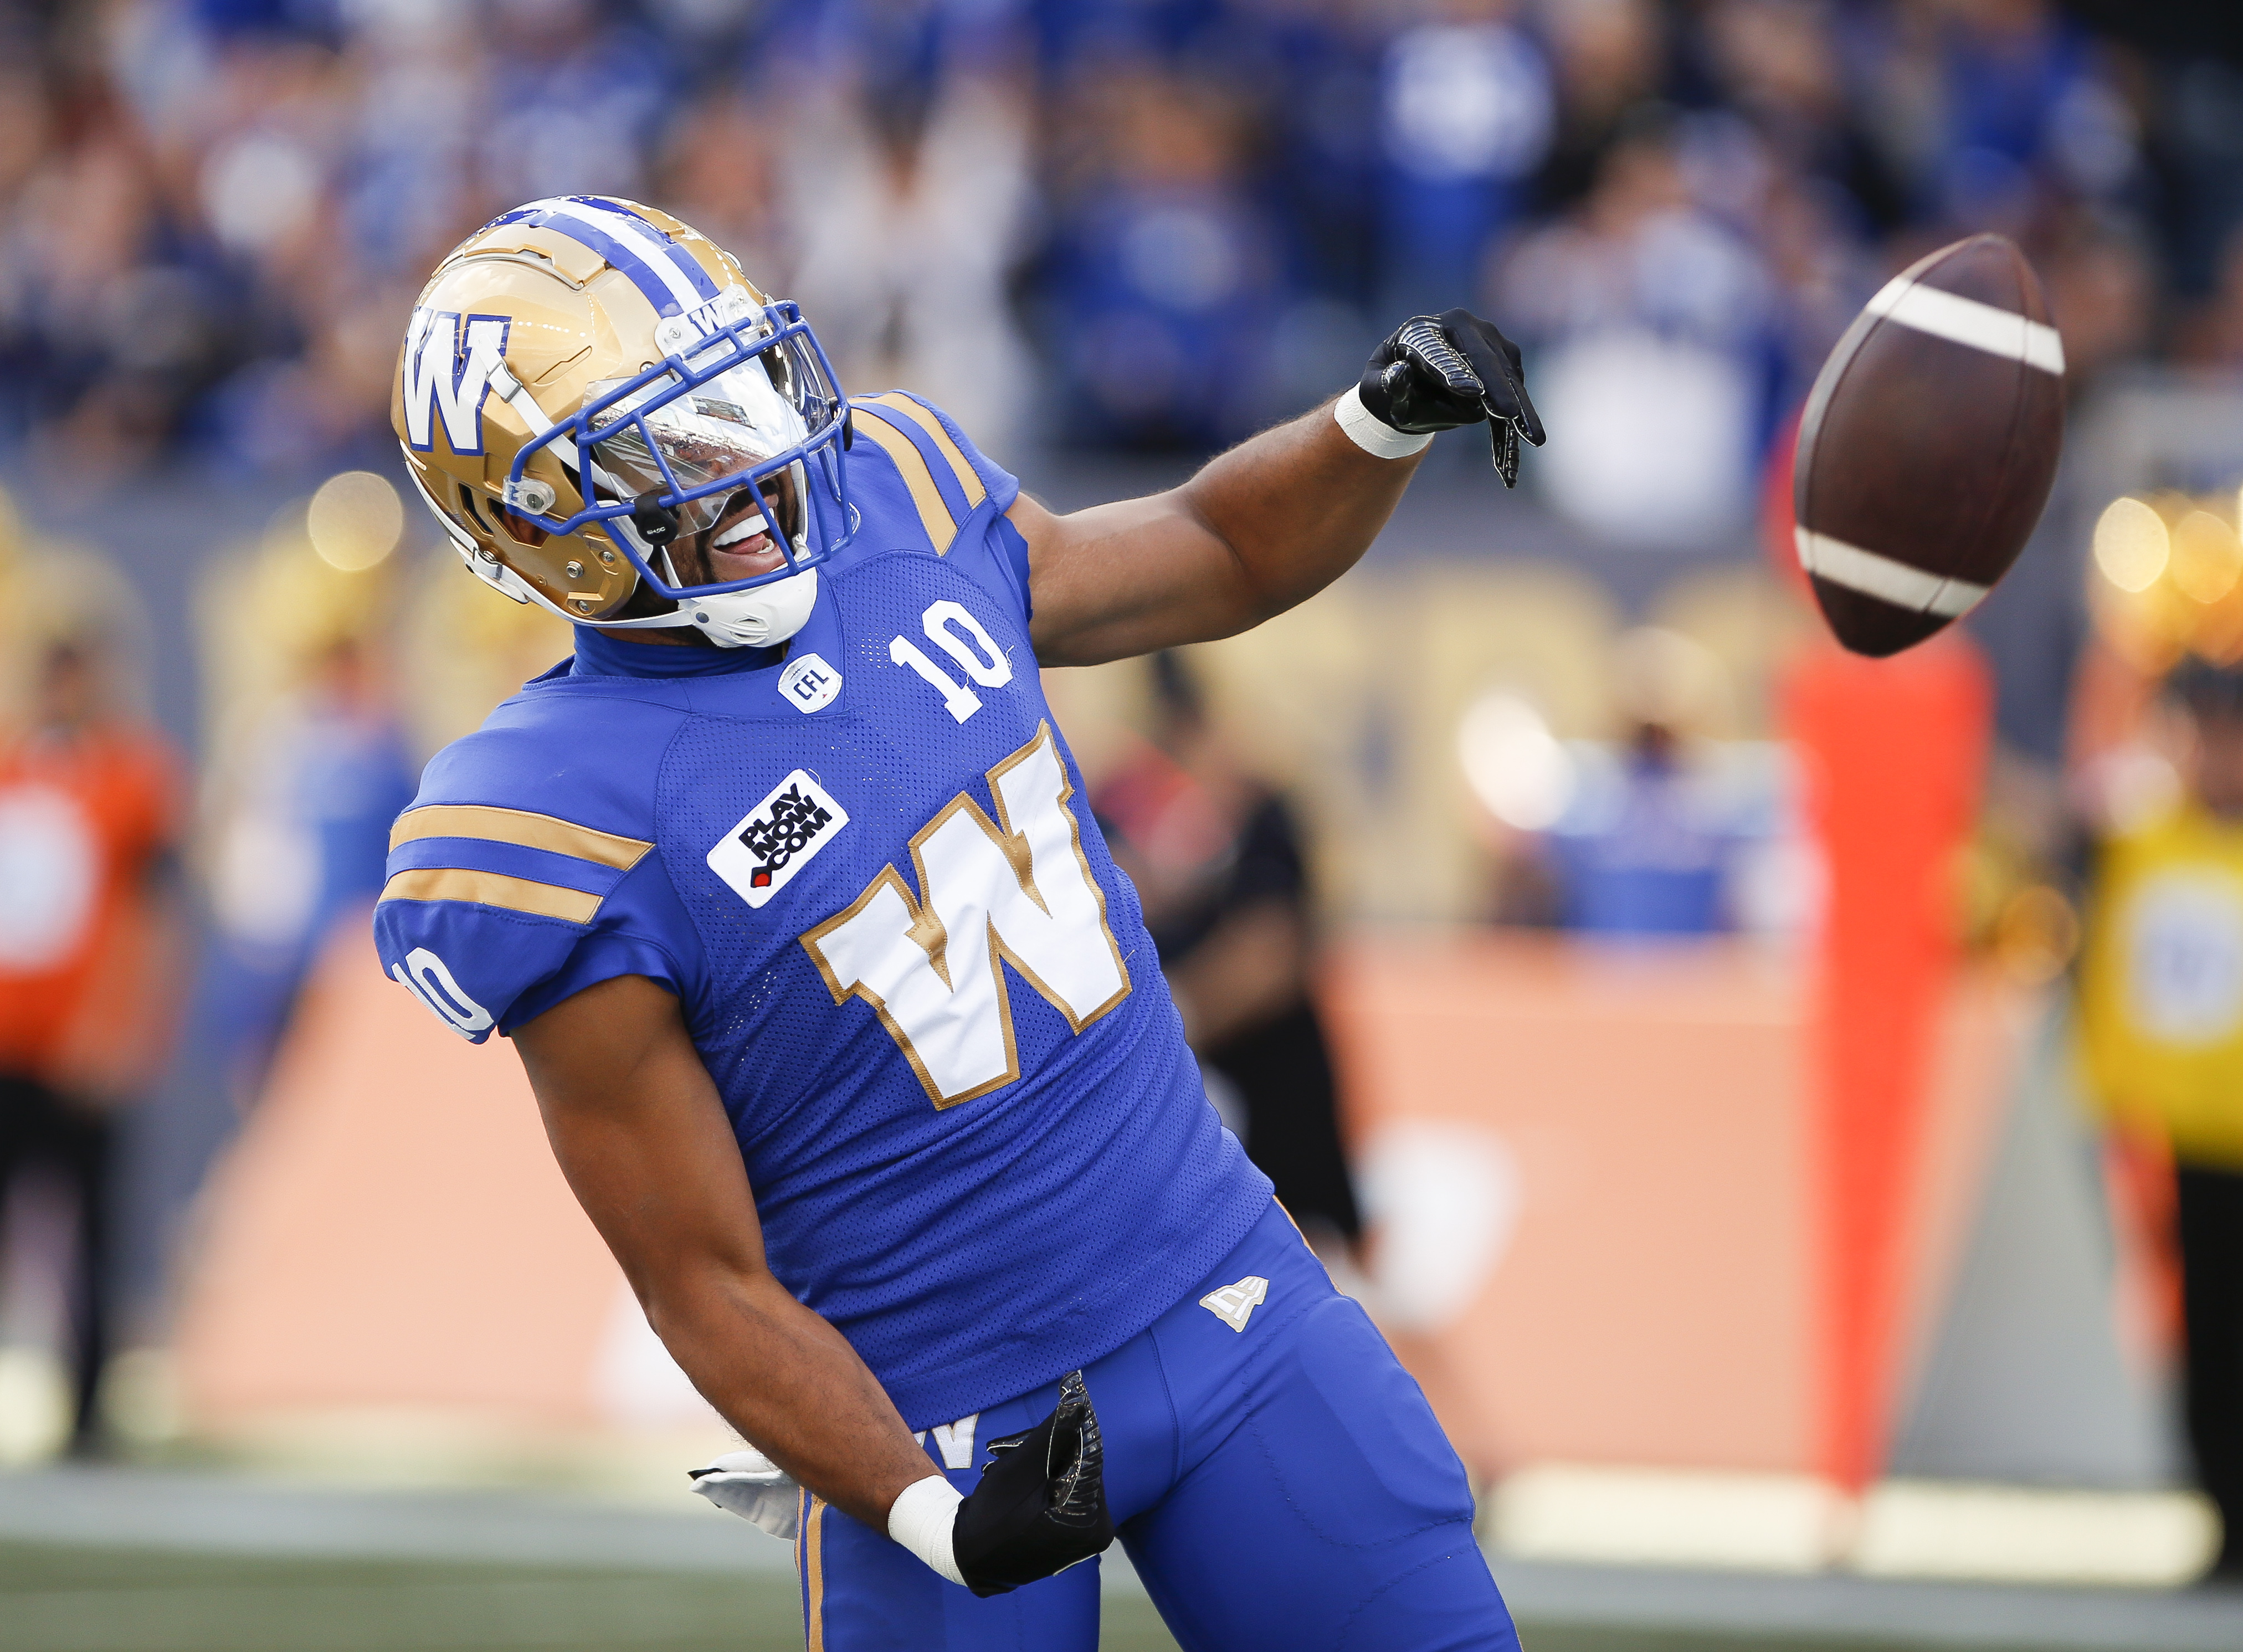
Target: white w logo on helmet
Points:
(446, 377)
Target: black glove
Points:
(1041, 1503)
(1435, 372)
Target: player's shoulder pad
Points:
(949, 481)
(514, 845)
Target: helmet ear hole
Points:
(521, 529)
(468, 504)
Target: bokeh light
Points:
(2207, 559)
(355, 520)
(2132, 544)
(1517, 768)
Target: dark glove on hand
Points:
(1041, 1503)
(1435, 372)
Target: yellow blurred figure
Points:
(2161, 1033)
(2161, 986)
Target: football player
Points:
(845, 1031)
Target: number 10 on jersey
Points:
(975, 650)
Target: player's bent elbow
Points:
(703, 1299)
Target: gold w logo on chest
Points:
(1015, 890)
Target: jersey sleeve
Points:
(973, 481)
(958, 494)
(491, 916)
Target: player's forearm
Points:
(1262, 527)
(639, 1132)
(794, 1388)
(1297, 507)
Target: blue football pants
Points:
(1282, 1487)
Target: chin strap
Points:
(758, 617)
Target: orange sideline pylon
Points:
(1894, 753)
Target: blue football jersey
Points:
(978, 1141)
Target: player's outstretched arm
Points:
(1277, 518)
(636, 1125)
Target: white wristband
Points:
(921, 1519)
(1373, 434)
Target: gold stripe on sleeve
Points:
(968, 478)
(518, 826)
(491, 889)
(934, 515)
(813, 1568)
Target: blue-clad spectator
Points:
(575, 102)
(1076, 35)
(1166, 276)
(303, 812)
(1466, 113)
(2027, 97)
(1660, 349)
(1992, 107)
(1316, 67)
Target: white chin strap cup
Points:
(760, 618)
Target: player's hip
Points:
(1262, 1342)
(1276, 1476)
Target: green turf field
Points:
(56, 1599)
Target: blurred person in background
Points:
(1664, 831)
(577, 95)
(300, 804)
(1789, 162)
(90, 958)
(1987, 110)
(1164, 277)
(108, 330)
(1780, 65)
(908, 186)
(723, 164)
(1467, 112)
(2028, 107)
(2161, 1033)
(1610, 57)
(1661, 339)
(1315, 66)
(1217, 859)
(1651, 841)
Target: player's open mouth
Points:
(741, 545)
(735, 538)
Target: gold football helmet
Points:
(611, 421)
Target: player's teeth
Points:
(749, 526)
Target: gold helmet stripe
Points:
(492, 889)
(517, 826)
(968, 478)
(934, 515)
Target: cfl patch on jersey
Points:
(777, 839)
(809, 683)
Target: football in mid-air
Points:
(1928, 446)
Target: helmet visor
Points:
(683, 443)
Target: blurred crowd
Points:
(1194, 214)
